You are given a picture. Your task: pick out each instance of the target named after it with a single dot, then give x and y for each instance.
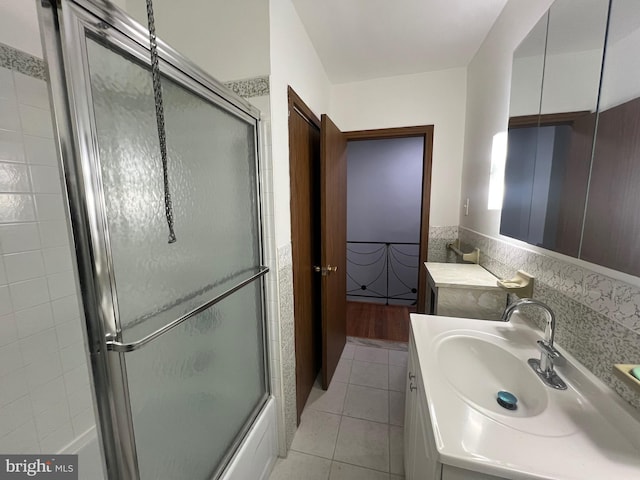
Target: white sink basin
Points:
(477, 365)
(477, 368)
(582, 433)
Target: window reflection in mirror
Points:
(549, 154)
(524, 104)
(612, 222)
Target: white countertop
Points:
(461, 275)
(585, 432)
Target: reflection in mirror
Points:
(575, 45)
(549, 154)
(526, 91)
(527, 71)
(612, 220)
(573, 62)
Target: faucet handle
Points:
(551, 352)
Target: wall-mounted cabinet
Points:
(573, 162)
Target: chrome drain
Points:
(507, 400)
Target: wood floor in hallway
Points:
(382, 322)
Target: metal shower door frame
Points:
(63, 26)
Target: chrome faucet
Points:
(549, 354)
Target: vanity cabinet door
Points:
(425, 466)
(420, 461)
(410, 412)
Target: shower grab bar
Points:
(116, 346)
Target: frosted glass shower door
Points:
(212, 181)
(193, 389)
(182, 324)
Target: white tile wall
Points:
(45, 398)
(6, 83)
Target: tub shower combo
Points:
(168, 243)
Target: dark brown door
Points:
(304, 169)
(333, 232)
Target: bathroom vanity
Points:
(463, 290)
(455, 429)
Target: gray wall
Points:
(384, 196)
(384, 190)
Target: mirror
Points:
(549, 149)
(527, 72)
(612, 219)
(524, 109)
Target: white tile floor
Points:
(354, 430)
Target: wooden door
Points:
(333, 233)
(304, 166)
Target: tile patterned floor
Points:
(354, 430)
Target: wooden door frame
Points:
(547, 119)
(426, 132)
(295, 102)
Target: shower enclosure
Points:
(175, 331)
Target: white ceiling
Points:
(364, 39)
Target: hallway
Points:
(354, 430)
(378, 321)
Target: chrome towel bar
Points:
(117, 346)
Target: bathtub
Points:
(87, 447)
(253, 460)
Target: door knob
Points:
(325, 270)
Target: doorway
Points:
(318, 179)
(389, 185)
